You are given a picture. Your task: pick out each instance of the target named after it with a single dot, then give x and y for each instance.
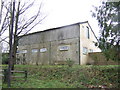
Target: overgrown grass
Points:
(62, 76)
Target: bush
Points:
(70, 62)
(5, 58)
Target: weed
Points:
(67, 77)
(69, 62)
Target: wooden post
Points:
(25, 75)
(5, 75)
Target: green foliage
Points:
(65, 77)
(69, 62)
(5, 58)
(107, 15)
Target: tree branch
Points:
(31, 21)
(4, 39)
(22, 10)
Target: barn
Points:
(56, 45)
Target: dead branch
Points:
(4, 40)
(30, 22)
(23, 9)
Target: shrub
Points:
(5, 58)
(69, 62)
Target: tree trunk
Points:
(14, 51)
(11, 45)
(15, 37)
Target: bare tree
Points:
(15, 22)
(21, 24)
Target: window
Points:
(43, 49)
(23, 51)
(87, 32)
(85, 50)
(34, 50)
(63, 48)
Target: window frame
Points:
(35, 50)
(22, 51)
(43, 50)
(63, 48)
(87, 32)
(85, 50)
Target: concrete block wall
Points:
(52, 40)
(53, 52)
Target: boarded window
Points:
(63, 48)
(43, 50)
(85, 50)
(34, 50)
(23, 51)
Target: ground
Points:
(62, 76)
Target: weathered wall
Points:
(71, 53)
(67, 32)
(52, 40)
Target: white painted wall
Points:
(88, 43)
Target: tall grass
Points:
(62, 76)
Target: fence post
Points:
(5, 75)
(25, 75)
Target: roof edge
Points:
(54, 28)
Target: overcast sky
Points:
(65, 12)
